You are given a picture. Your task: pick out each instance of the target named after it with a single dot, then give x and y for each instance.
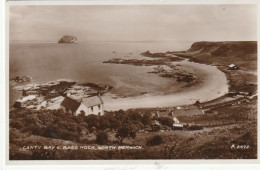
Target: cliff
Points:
(67, 39)
(241, 53)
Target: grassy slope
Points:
(210, 143)
(241, 53)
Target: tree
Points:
(121, 116)
(146, 120)
(102, 138)
(124, 132)
(135, 116)
(136, 125)
(93, 121)
(156, 140)
(104, 123)
(114, 123)
(79, 119)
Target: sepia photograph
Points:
(132, 82)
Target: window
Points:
(99, 114)
(99, 106)
(91, 108)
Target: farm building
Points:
(156, 125)
(233, 67)
(85, 106)
(162, 113)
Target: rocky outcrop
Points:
(67, 39)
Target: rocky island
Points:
(67, 39)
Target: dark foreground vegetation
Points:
(132, 128)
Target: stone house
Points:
(85, 106)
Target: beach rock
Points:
(67, 39)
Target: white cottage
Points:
(85, 106)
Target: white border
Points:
(158, 164)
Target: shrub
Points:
(16, 124)
(195, 127)
(124, 132)
(135, 116)
(146, 120)
(92, 121)
(156, 140)
(102, 138)
(114, 123)
(104, 123)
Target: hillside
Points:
(243, 54)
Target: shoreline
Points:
(213, 84)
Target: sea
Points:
(83, 62)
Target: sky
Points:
(133, 23)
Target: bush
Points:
(156, 140)
(102, 138)
(146, 120)
(114, 123)
(125, 132)
(135, 116)
(16, 124)
(195, 127)
(92, 121)
(104, 123)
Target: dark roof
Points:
(92, 101)
(70, 104)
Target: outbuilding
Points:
(233, 67)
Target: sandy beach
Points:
(212, 84)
